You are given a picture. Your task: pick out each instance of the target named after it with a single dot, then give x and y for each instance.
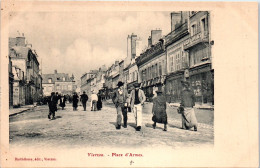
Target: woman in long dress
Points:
(159, 110)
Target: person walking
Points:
(159, 109)
(52, 106)
(186, 109)
(62, 102)
(99, 102)
(119, 100)
(93, 102)
(57, 98)
(84, 99)
(137, 99)
(75, 100)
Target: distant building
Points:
(58, 82)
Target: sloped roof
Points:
(58, 77)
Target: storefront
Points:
(202, 83)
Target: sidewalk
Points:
(21, 109)
(197, 105)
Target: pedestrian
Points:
(99, 102)
(75, 100)
(84, 99)
(62, 101)
(94, 100)
(119, 101)
(52, 105)
(159, 109)
(137, 99)
(57, 98)
(186, 109)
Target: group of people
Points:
(134, 101)
(56, 98)
(53, 101)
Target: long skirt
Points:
(189, 119)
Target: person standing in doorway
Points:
(186, 109)
(119, 100)
(137, 99)
(75, 100)
(84, 99)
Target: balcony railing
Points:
(202, 36)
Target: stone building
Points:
(25, 59)
(198, 45)
(152, 64)
(58, 82)
(10, 80)
(177, 57)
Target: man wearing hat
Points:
(159, 109)
(186, 109)
(137, 99)
(119, 101)
(84, 99)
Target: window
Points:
(171, 64)
(193, 29)
(49, 80)
(63, 78)
(58, 78)
(204, 25)
(160, 68)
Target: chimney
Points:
(184, 16)
(29, 46)
(149, 41)
(175, 20)
(155, 36)
(20, 41)
(55, 71)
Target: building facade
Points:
(58, 82)
(198, 45)
(26, 60)
(10, 80)
(152, 66)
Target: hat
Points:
(185, 83)
(120, 84)
(136, 85)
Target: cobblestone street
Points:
(88, 128)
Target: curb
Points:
(19, 112)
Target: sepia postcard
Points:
(129, 84)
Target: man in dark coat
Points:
(52, 105)
(159, 109)
(186, 109)
(119, 101)
(99, 102)
(62, 102)
(84, 99)
(75, 100)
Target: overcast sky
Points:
(80, 41)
